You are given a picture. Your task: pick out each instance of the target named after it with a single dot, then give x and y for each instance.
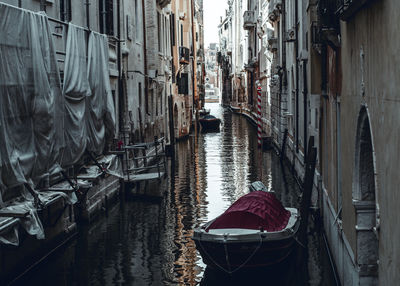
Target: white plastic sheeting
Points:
(31, 223)
(12, 235)
(76, 89)
(89, 102)
(31, 103)
(41, 127)
(101, 117)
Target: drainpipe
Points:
(146, 84)
(305, 96)
(296, 47)
(120, 83)
(87, 3)
(194, 72)
(195, 97)
(283, 78)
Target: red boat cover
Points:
(256, 210)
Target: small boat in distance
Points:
(203, 112)
(209, 123)
(255, 231)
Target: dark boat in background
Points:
(203, 112)
(209, 123)
(255, 231)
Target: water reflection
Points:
(148, 241)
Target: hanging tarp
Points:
(76, 89)
(31, 103)
(100, 105)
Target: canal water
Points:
(146, 238)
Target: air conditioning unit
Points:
(167, 9)
(152, 73)
(291, 35)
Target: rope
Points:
(227, 257)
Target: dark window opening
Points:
(159, 32)
(181, 35)
(172, 21)
(183, 83)
(65, 10)
(106, 10)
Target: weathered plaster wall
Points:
(375, 31)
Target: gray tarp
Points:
(76, 89)
(89, 102)
(31, 103)
(100, 104)
(33, 110)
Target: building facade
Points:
(97, 76)
(327, 70)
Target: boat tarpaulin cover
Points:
(256, 210)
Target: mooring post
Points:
(283, 148)
(306, 198)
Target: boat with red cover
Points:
(255, 231)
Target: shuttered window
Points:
(183, 83)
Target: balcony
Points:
(184, 55)
(272, 40)
(251, 65)
(163, 3)
(274, 9)
(347, 8)
(329, 22)
(249, 20)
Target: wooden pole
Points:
(306, 199)
(259, 124)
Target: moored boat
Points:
(255, 231)
(209, 122)
(203, 112)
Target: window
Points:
(106, 10)
(65, 10)
(157, 100)
(137, 21)
(159, 32)
(172, 21)
(181, 35)
(165, 35)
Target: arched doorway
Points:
(364, 201)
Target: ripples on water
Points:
(148, 241)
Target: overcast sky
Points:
(213, 10)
